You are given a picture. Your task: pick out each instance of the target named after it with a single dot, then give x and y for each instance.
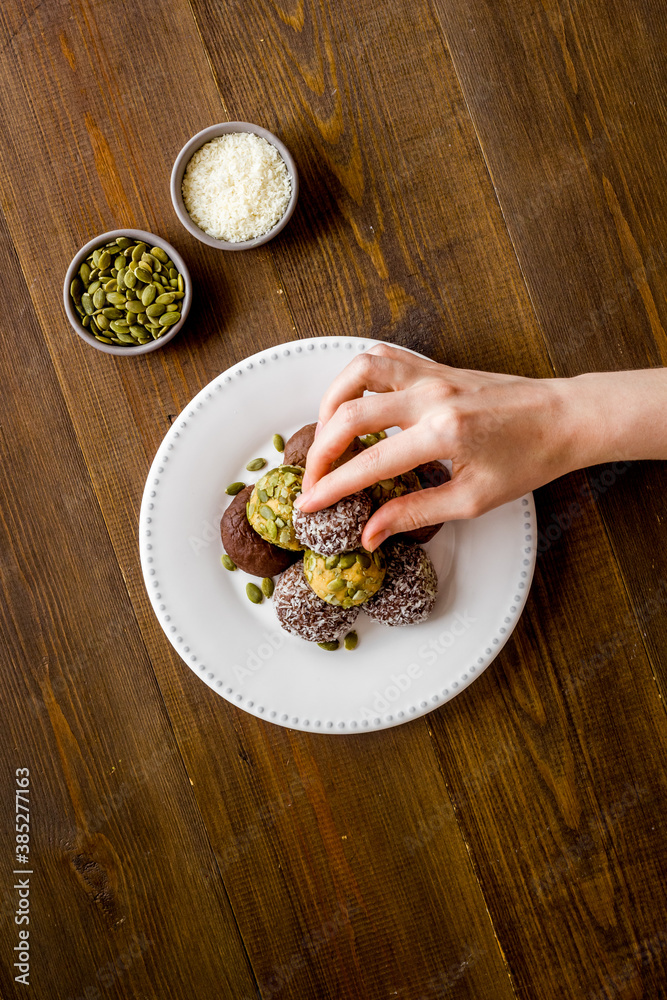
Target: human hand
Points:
(504, 434)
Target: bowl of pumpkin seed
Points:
(127, 292)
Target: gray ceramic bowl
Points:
(153, 241)
(183, 159)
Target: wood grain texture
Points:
(314, 921)
(123, 870)
(569, 100)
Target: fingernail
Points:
(318, 428)
(302, 498)
(377, 540)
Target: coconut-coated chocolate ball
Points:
(302, 613)
(334, 529)
(410, 586)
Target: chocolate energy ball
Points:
(301, 612)
(410, 587)
(387, 489)
(250, 552)
(335, 529)
(346, 580)
(297, 447)
(271, 504)
(430, 475)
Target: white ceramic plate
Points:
(485, 567)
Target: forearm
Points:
(616, 416)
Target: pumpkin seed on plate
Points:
(256, 464)
(254, 593)
(228, 563)
(351, 640)
(268, 586)
(330, 646)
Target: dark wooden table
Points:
(483, 180)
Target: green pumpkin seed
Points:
(112, 313)
(280, 523)
(104, 260)
(267, 513)
(278, 442)
(144, 340)
(123, 242)
(335, 584)
(173, 283)
(268, 586)
(387, 484)
(165, 299)
(173, 273)
(125, 338)
(111, 286)
(148, 294)
(263, 495)
(102, 321)
(363, 559)
(254, 593)
(130, 278)
(330, 646)
(96, 257)
(94, 328)
(99, 298)
(138, 250)
(119, 327)
(131, 294)
(331, 562)
(271, 530)
(155, 310)
(181, 283)
(137, 331)
(347, 559)
(93, 286)
(228, 563)
(120, 277)
(87, 304)
(84, 273)
(256, 464)
(351, 640)
(94, 271)
(285, 536)
(76, 289)
(160, 254)
(103, 340)
(116, 298)
(234, 488)
(143, 274)
(86, 320)
(168, 319)
(360, 595)
(135, 306)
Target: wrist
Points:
(615, 416)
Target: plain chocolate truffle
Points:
(297, 447)
(250, 552)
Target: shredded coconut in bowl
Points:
(236, 187)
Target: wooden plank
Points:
(381, 59)
(319, 917)
(569, 103)
(565, 822)
(125, 892)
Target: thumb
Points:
(449, 502)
